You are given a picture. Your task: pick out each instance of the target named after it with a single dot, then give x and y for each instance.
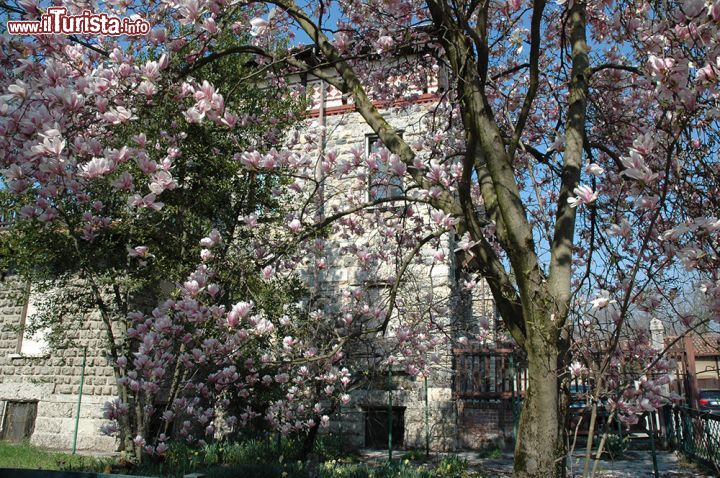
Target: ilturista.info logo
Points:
(57, 21)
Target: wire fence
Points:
(695, 434)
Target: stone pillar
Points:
(657, 334)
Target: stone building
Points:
(40, 388)
(465, 402)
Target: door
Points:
(19, 421)
(376, 427)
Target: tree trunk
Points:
(540, 449)
(309, 442)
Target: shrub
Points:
(492, 451)
(452, 467)
(330, 447)
(616, 446)
(415, 455)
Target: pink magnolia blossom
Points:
(583, 195)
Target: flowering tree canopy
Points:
(572, 148)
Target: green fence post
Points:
(390, 414)
(652, 444)
(513, 404)
(427, 421)
(340, 419)
(80, 394)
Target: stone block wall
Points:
(53, 379)
(484, 423)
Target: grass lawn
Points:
(240, 465)
(24, 455)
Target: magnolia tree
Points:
(162, 184)
(93, 237)
(571, 149)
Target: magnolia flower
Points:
(18, 89)
(264, 326)
(147, 88)
(161, 449)
(258, 26)
(147, 201)
(139, 251)
(239, 311)
(118, 115)
(659, 66)
(576, 369)
(212, 240)
(465, 244)
(295, 225)
(594, 169)
(602, 300)
(583, 195)
(161, 181)
(268, 272)
(384, 43)
(96, 168)
(288, 342)
(325, 421)
(124, 182)
(623, 229)
(636, 168)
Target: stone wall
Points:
(52, 379)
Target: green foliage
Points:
(395, 469)
(616, 446)
(415, 455)
(331, 447)
(492, 451)
(452, 466)
(254, 451)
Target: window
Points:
(382, 183)
(32, 342)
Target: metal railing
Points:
(695, 434)
(489, 373)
